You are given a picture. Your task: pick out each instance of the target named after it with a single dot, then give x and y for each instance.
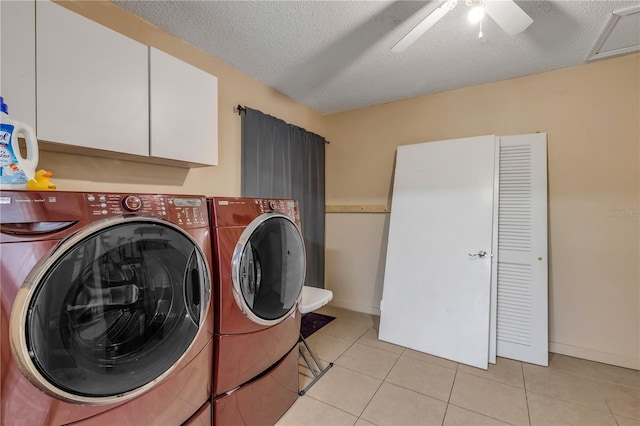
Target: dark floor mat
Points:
(313, 322)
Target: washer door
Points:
(268, 268)
(111, 311)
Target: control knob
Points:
(132, 203)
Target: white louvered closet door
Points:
(522, 270)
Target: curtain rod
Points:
(238, 109)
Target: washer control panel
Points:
(185, 211)
(132, 203)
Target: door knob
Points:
(480, 254)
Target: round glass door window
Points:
(113, 309)
(268, 268)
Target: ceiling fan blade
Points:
(508, 15)
(423, 26)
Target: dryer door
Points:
(111, 311)
(268, 268)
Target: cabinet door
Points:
(92, 83)
(18, 48)
(184, 110)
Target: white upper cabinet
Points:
(183, 110)
(18, 64)
(91, 90)
(92, 84)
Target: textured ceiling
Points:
(336, 55)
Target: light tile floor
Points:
(376, 383)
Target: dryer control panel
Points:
(286, 207)
(234, 211)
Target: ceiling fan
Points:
(508, 15)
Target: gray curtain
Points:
(280, 160)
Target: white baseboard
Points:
(626, 361)
(358, 307)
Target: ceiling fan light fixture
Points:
(476, 14)
(506, 13)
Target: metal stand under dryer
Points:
(312, 299)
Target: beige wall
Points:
(590, 113)
(592, 116)
(355, 255)
(74, 172)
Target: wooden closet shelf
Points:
(369, 208)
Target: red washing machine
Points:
(259, 268)
(106, 309)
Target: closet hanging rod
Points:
(238, 109)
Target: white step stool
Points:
(313, 298)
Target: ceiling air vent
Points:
(620, 36)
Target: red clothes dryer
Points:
(259, 268)
(106, 314)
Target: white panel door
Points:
(437, 279)
(522, 324)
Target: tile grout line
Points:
(492, 380)
(526, 394)
(403, 387)
(597, 382)
(482, 414)
(473, 411)
(382, 349)
(346, 349)
(334, 362)
(591, 376)
(600, 382)
(369, 402)
(381, 382)
(349, 347)
(446, 409)
(615, 420)
(342, 338)
(579, 404)
(604, 399)
(595, 379)
(332, 406)
(468, 409)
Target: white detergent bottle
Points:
(15, 170)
